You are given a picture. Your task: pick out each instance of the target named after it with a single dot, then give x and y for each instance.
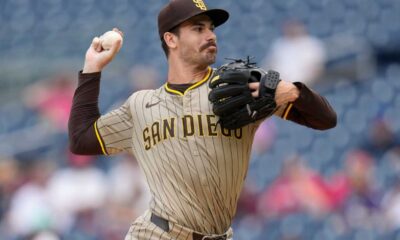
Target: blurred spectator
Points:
(298, 56)
(362, 208)
(380, 139)
(30, 210)
(296, 189)
(77, 191)
(52, 98)
(360, 168)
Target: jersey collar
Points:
(206, 77)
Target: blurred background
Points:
(302, 184)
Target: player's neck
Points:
(181, 73)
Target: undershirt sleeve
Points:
(83, 137)
(310, 109)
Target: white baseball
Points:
(110, 38)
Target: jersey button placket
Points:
(187, 110)
(186, 103)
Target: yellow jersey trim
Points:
(99, 139)
(287, 110)
(172, 90)
(191, 87)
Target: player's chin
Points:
(210, 57)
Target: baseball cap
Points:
(178, 11)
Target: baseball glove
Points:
(231, 96)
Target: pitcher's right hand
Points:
(97, 58)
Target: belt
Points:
(163, 224)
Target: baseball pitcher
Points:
(192, 137)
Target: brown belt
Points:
(163, 224)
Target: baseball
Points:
(110, 38)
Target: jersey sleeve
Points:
(84, 112)
(114, 130)
(310, 109)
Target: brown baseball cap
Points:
(178, 11)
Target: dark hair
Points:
(164, 46)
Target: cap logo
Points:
(200, 4)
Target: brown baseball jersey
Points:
(194, 168)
